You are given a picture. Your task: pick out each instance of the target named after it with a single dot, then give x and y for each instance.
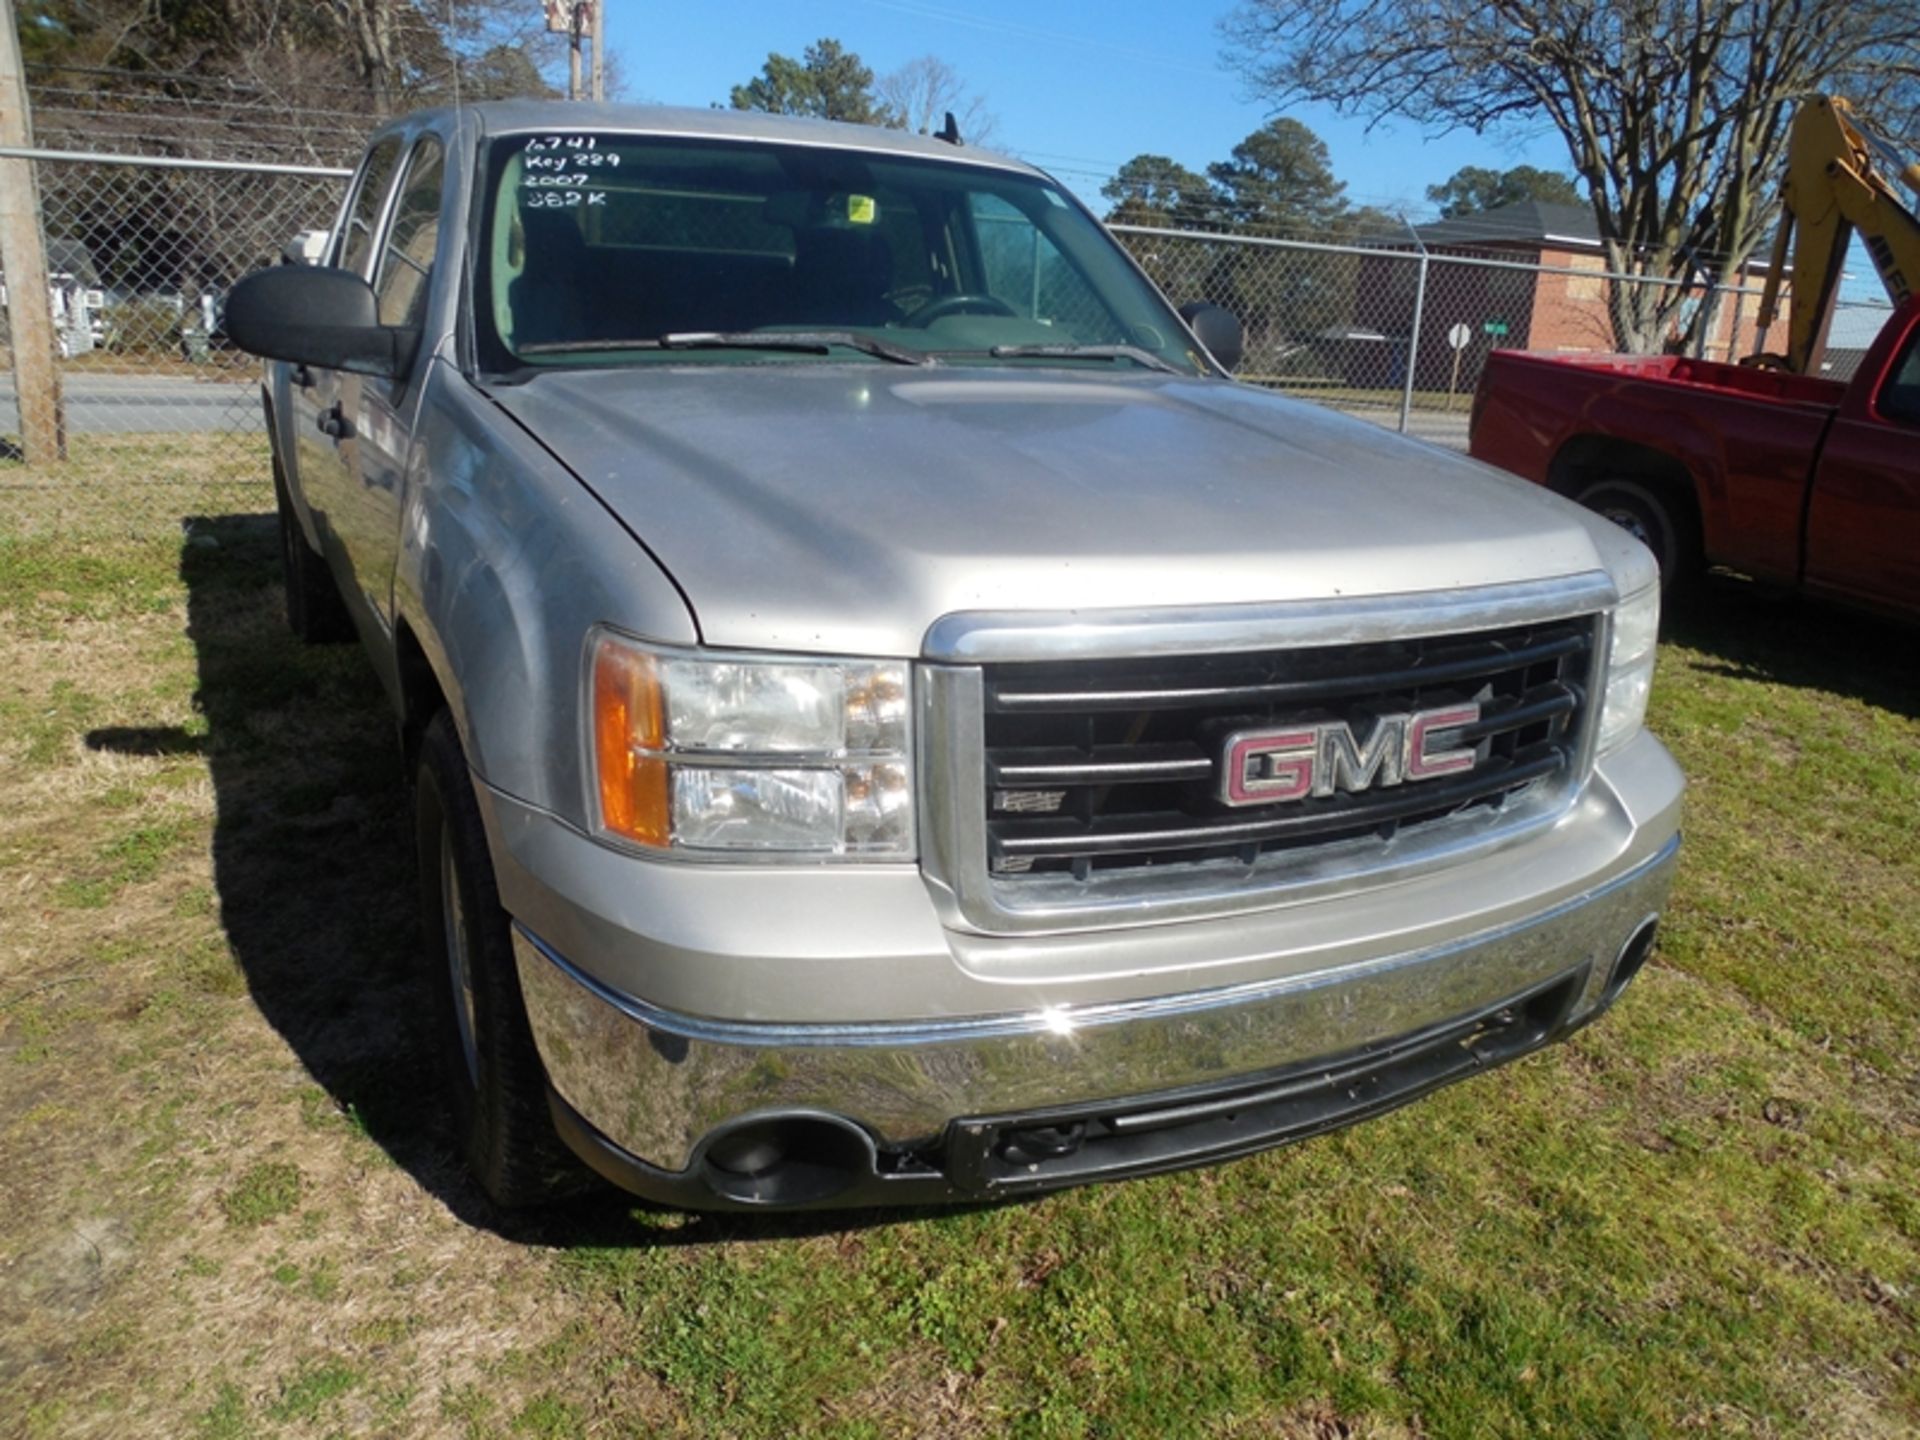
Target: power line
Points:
(1034, 32)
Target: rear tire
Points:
(1653, 515)
(315, 612)
(495, 1084)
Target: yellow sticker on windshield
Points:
(861, 210)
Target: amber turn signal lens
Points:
(627, 734)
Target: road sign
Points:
(1495, 327)
(1458, 336)
(560, 17)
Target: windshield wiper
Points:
(814, 342)
(1085, 352)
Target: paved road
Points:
(130, 404)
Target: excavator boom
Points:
(1838, 182)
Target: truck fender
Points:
(1682, 475)
(506, 563)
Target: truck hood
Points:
(844, 509)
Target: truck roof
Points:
(508, 117)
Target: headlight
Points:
(1636, 630)
(729, 753)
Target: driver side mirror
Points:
(1218, 330)
(316, 315)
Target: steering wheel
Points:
(972, 303)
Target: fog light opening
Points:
(1037, 1143)
(786, 1160)
(1632, 956)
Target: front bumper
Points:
(939, 1110)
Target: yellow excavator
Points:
(1837, 183)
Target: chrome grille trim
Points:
(954, 834)
(977, 637)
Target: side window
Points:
(1027, 271)
(406, 260)
(356, 247)
(1900, 398)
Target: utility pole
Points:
(599, 48)
(573, 50)
(23, 261)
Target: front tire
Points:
(496, 1086)
(1656, 517)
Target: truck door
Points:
(383, 411)
(1863, 525)
(322, 399)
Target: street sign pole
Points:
(1457, 337)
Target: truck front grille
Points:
(1114, 765)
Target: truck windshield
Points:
(610, 249)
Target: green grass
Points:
(313, 1389)
(125, 860)
(226, 1418)
(1700, 1216)
(265, 1192)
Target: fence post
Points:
(23, 262)
(1413, 339)
(1707, 317)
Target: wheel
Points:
(315, 611)
(969, 304)
(1651, 514)
(496, 1088)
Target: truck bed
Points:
(1709, 375)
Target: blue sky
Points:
(1079, 86)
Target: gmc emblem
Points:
(1264, 767)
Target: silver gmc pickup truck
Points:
(892, 719)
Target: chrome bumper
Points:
(654, 1083)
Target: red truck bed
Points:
(1787, 477)
(1771, 385)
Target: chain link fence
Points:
(162, 417)
(159, 416)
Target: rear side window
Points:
(1900, 400)
(356, 249)
(406, 262)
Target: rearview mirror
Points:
(1217, 329)
(315, 315)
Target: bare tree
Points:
(1674, 112)
(919, 94)
(284, 73)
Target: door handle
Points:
(333, 421)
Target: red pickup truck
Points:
(1788, 478)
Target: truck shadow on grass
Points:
(1753, 632)
(315, 876)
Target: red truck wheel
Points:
(1653, 516)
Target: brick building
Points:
(1559, 307)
